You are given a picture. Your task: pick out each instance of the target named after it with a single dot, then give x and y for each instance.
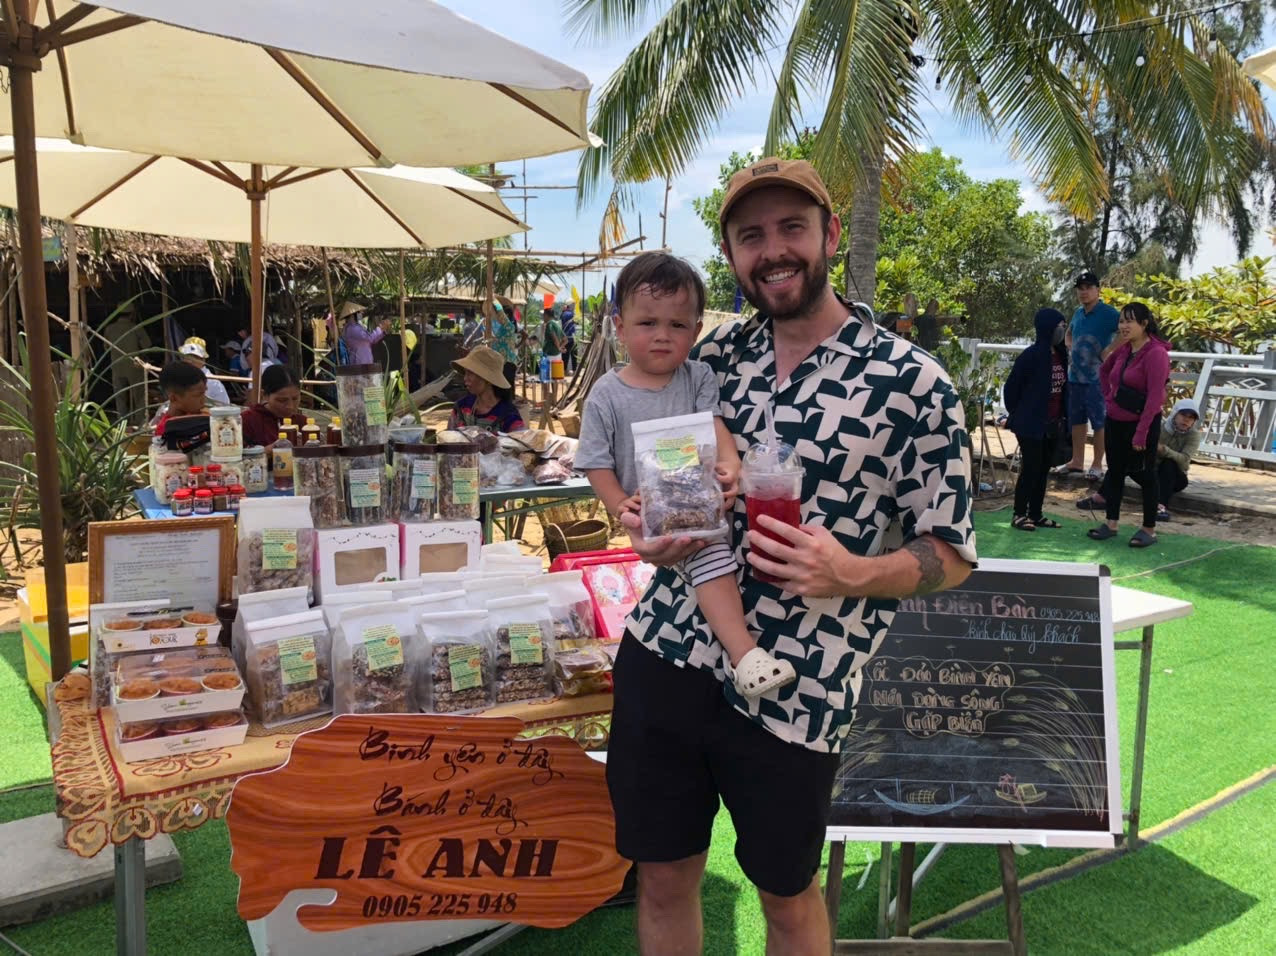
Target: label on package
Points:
(465, 486)
(365, 487)
(675, 453)
(374, 404)
(279, 549)
(465, 662)
(384, 647)
(298, 662)
(527, 644)
(424, 478)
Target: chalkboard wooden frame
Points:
(1104, 833)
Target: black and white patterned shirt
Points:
(882, 436)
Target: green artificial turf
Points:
(24, 745)
(1204, 890)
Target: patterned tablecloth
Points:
(106, 801)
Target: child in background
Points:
(661, 299)
(186, 388)
(1036, 396)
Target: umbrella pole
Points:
(256, 192)
(43, 395)
(73, 309)
(491, 279)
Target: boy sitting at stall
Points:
(186, 388)
(661, 299)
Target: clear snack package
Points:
(276, 544)
(458, 480)
(681, 495)
(523, 648)
(289, 668)
(569, 607)
(481, 588)
(455, 675)
(259, 606)
(582, 670)
(372, 658)
(334, 604)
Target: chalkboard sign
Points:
(989, 715)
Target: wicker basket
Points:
(588, 534)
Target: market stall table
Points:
(150, 506)
(506, 504)
(107, 802)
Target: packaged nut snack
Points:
(289, 668)
(276, 544)
(256, 473)
(523, 641)
(318, 477)
(458, 481)
(362, 401)
(258, 607)
(334, 604)
(681, 495)
(414, 490)
(455, 675)
(481, 588)
(569, 606)
(437, 603)
(372, 653)
(582, 670)
(363, 481)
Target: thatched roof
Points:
(140, 253)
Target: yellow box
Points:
(33, 611)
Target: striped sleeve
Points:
(717, 560)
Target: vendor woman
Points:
(490, 399)
(281, 390)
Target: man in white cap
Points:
(194, 352)
(358, 339)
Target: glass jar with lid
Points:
(203, 501)
(182, 503)
(225, 432)
(256, 472)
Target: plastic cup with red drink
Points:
(771, 480)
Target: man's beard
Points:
(814, 280)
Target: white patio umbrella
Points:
(395, 208)
(305, 83)
(1262, 66)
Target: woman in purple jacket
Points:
(1133, 378)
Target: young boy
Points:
(186, 388)
(661, 299)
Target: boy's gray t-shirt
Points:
(606, 440)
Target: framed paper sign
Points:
(191, 561)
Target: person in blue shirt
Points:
(1089, 340)
(569, 330)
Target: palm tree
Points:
(1032, 69)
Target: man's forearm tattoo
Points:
(929, 564)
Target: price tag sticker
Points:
(279, 549)
(675, 453)
(465, 662)
(374, 404)
(298, 662)
(384, 647)
(365, 487)
(424, 478)
(465, 486)
(527, 644)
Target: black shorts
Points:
(677, 746)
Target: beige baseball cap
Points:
(773, 171)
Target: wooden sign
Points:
(416, 817)
(989, 715)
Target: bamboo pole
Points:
(43, 397)
(256, 193)
(491, 278)
(403, 326)
(73, 309)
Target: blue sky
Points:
(557, 225)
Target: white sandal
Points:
(759, 672)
